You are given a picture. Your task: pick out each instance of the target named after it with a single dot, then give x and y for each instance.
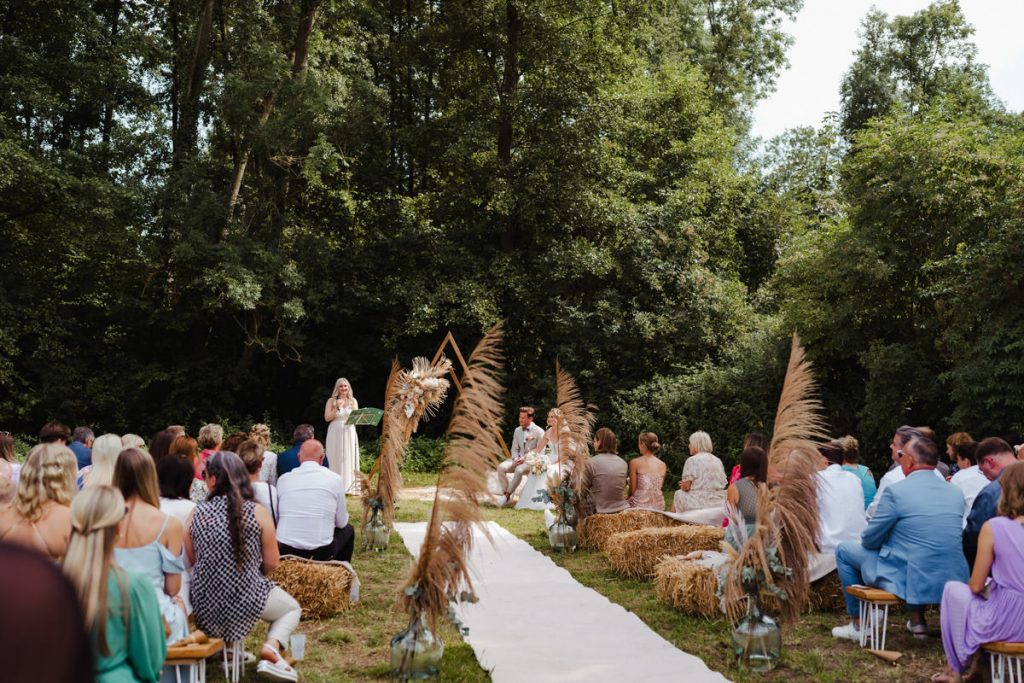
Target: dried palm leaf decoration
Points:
(775, 556)
(410, 396)
(441, 570)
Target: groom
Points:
(525, 439)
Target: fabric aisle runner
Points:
(534, 622)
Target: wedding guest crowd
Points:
(149, 540)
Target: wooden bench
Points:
(874, 614)
(192, 658)
(1007, 661)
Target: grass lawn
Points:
(355, 645)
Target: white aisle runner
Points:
(534, 622)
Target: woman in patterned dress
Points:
(233, 548)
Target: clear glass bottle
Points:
(757, 638)
(376, 534)
(416, 652)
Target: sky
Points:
(825, 38)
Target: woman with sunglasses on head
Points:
(120, 606)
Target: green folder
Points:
(365, 416)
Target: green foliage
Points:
(424, 454)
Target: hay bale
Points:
(690, 585)
(321, 588)
(827, 594)
(636, 553)
(595, 530)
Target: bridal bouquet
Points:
(538, 462)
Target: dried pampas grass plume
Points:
(441, 571)
(787, 515)
(579, 418)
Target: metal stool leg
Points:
(885, 626)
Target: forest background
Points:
(210, 209)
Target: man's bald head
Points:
(311, 449)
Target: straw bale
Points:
(595, 530)
(688, 585)
(321, 588)
(636, 553)
(691, 586)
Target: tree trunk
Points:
(506, 102)
(300, 64)
(188, 119)
(108, 113)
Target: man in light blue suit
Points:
(909, 546)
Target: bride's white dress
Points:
(343, 450)
(535, 483)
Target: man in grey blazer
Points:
(524, 440)
(604, 480)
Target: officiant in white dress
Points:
(342, 441)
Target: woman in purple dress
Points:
(991, 606)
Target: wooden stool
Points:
(1007, 661)
(192, 658)
(874, 614)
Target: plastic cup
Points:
(298, 646)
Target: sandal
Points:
(946, 677)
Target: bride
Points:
(342, 441)
(558, 466)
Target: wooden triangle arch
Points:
(450, 340)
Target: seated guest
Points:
(742, 494)
(120, 606)
(646, 475)
(160, 445)
(993, 456)
(969, 478)
(851, 458)
(260, 433)
(905, 547)
(9, 467)
(174, 477)
(526, 437)
(55, 432)
(232, 547)
(313, 518)
(840, 501)
(41, 621)
(211, 436)
(104, 454)
(234, 441)
(188, 448)
(953, 441)
(895, 474)
(941, 468)
(991, 607)
(703, 482)
(288, 460)
(759, 439)
(151, 540)
(8, 515)
(81, 446)
(45, 490)
(132, 441)
(604, 480)
(251, 453)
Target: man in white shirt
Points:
(970, 479)
(313, 520)
(524, 440)
(902, 436)
(840, 501)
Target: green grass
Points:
(354, 645)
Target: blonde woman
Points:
(342, 441)
(152, 542)
(104, 454)
(45, 490)
(260, 433)
(120, 607)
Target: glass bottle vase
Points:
(562, 536)
(376, 534)
(756, 638)
(416, 652)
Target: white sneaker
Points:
(848, 631)
(279, 670)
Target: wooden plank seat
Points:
(1007, 661)
(190, 659)
(874, 614)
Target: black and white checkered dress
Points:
(226, 602)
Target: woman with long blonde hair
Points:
(105, 450)
(342, 444)
(120, 607)
(45, 489)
